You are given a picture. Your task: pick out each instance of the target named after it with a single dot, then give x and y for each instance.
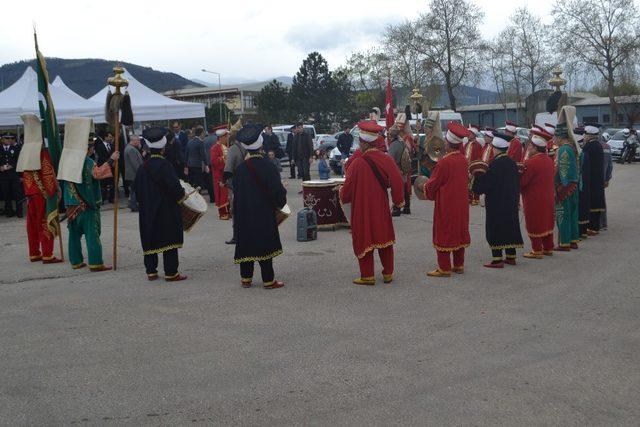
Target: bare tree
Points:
(600, 33)
(408, 68)
(448, 40)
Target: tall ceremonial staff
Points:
(116, 104)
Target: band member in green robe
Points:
(79, 175)
(566, 182)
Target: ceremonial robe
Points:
(159, 196)
(448, 186)
(218, 158)
(596, 175)
(515, 150)
(257, 192)
(538, 195)
(371, 224)
(566, 183)
(501, 186)
(83, 203)
(584, 195)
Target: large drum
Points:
(345, 207)
(322, 197)
(192, 207)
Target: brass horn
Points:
(435, 149)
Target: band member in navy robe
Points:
(501, 187)
(593, 149)
(159, 196)
(257, 193)
(584, 187)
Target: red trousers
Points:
(538, 244)
(444, 259)
(40, 238)
(366, 263)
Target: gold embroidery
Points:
(376, 246)
(163, 249)
(544, 234)
(452, 248)
(507, 246)
(259, 258)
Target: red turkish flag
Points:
(388, 109)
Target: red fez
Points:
(456, 133)
(369, 130)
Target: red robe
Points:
(449, 186)
(473, 151)
(38, 186)
(371, 225)
(217, 165)
(515, 150)
(538, 195)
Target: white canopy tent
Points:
(149, 105)
(22, 97)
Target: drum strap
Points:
(383, 182)
(259, 182)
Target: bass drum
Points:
(192, 208)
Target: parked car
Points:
(326, 142)
(617, 144)
(282, 137)
(310, 129)
(521, 133)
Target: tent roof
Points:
(149, 105)
(22, 97)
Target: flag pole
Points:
(117, 82)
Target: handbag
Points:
(102, 172)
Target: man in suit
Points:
(181, 138)
(132, 160)
(9, 178)
(104, 147)
(289, 149)
(196, 159)
(302, 151)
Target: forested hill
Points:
(88, 76)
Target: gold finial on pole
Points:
(415, 97)
(557, 81)
(117, 82)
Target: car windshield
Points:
(619, 136)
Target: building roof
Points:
(489, 107)
(249, 87)
(603, 100)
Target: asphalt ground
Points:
(547, 342)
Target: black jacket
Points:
(302, 146)
(596, 175)
(501, 185)
(102, 154)
(9, 157)
(345, 141)
(254, 205)
(271, 143)
(159, 191)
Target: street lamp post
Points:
(219, 92)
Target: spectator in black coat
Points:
(181, 137)
(270, 142)
(345, 141)
(289, 149)
(104, 147)
(302, 151)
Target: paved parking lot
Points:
(545, 342)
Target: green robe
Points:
(566, 181)
(83, 203)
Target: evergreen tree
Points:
(273, 103)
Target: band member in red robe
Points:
(538, 196)
(218, 158)
(514, 151)
(367, 179)
(448, 186)
(41, 190)
(473, 152)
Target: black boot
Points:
(395, 211)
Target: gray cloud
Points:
(338, 34)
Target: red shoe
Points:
(246, 283)
(495, 265)
(175, 278)
(592, 233)
(562, 248)
(52, 260)
(152, 277)
(100, 268)
(510, 261)
(77, 266)
(35, 258)
(274, 285)
(574, 246)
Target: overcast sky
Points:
(252, 39)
